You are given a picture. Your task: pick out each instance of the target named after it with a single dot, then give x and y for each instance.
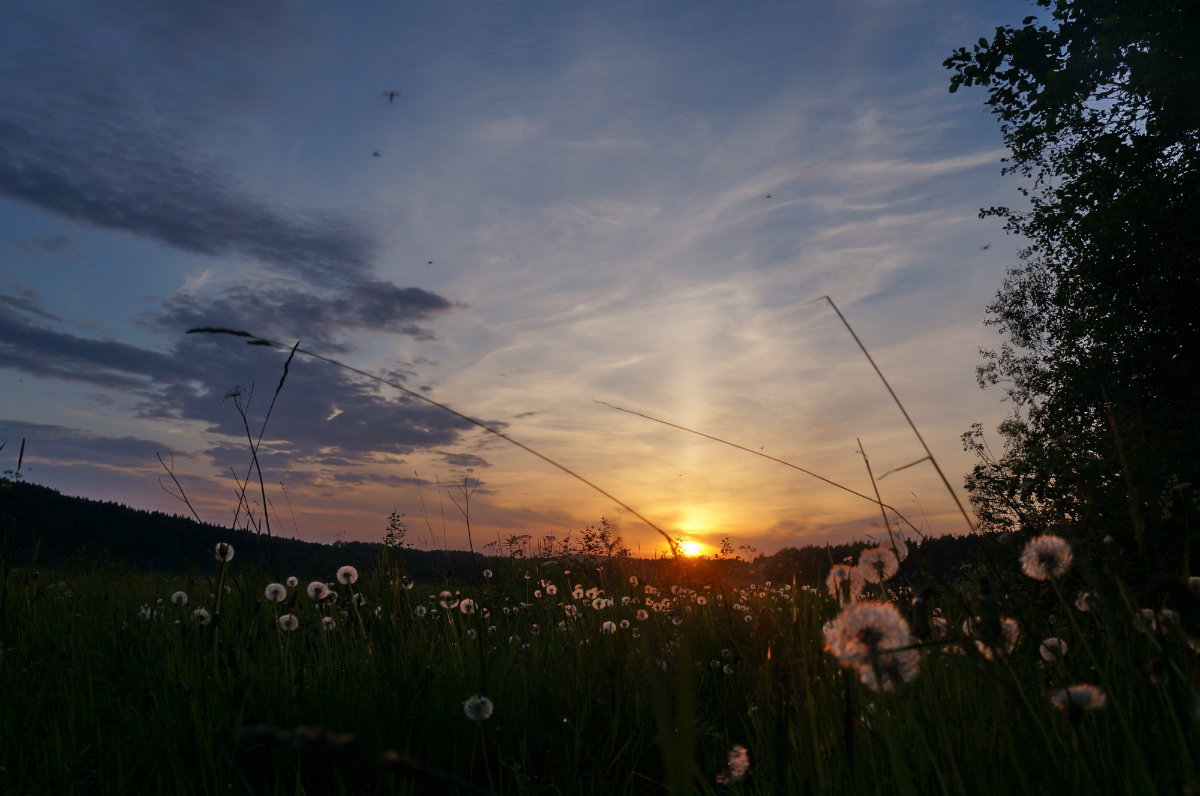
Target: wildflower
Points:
(608, 628)
(275, 592)
(179, 598)
(839, 575)
(487, 573)
(318, 590)
(327, 623)
(877, 565)
(1087, 601)
(1046, 557)
(1076, 699)
(478, 708)
(223, 552)
(861, 632)
(347, 575)
(737, 763)
(467, 606)
(289, 622)
(1053, 649)
(293, 582)
(642, 616)
(201, 617)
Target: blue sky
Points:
(626, 202)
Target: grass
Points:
(109, 688)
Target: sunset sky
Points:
(562, 203)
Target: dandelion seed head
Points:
(1052, 649)
(289, 622)
(858, 635)
(877, 564)
(478, 708)
(347, 575)
(275, 592)
(737, 763)
(223, 552)
(467, 606)
(642, 616)
(201, 616)
(179, 598)
(608, 628)
(892, 670)
(327, 623)
(292, 582)
(1046, 557)
(487, 573)
(1078, 698)
(1087, 601)
(317, 590)
(551, 589)
(422, 610)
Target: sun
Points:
(691, 549)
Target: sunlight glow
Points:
(691, 549)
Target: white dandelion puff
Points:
(1052, 649)
(347, 575)
(467, 606)
(478, 708)
(327, 623)
(1076, 699)
(275, 592)
(861, 632)
(1046, 557)
(877, 564)
(223, 552)
(608, 628)
(201, 617)
(318, 590)
(289, 622)
(292, 582)
(179, 598)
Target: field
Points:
(598, 676)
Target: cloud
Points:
(70, 446)
(319, 408)
(53, 244)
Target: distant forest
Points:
(44, 528)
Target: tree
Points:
(1100, 107)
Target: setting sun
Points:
(691, 549)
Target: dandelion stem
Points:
(903, 411)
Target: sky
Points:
(561, 204)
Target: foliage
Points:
(1100, 106)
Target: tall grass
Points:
(110, 688)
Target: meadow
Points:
(1036, 670)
